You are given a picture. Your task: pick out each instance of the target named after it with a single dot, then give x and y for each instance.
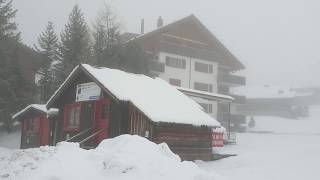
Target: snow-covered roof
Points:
(39, 107)
(266, 92)
(157, 99)
(215, 96)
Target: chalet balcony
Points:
(156, 66)
(231, 80)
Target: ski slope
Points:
(277, 149)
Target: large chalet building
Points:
(186, 54)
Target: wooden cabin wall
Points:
(69, 97)
(118, 122)
(188, 141)
(139, 124)
(29, 139)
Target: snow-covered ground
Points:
(125, 157)
(10, 140)
(277, 149)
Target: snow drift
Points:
(123, 157)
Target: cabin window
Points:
(175, 82)
(202, 67)
(206, 107)
(72, 117)
(176, 62)
(203, 87)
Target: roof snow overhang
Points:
(37, 108)
(206, 95)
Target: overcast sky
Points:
(277, 40)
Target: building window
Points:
(175, 82)
(176, 62)
(72, 117)
(206, 107)
(202, 67)
(203, 87)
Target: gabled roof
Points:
(158, 100)
(40, 108)
(222, 49)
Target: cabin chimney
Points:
(142, 26)
(159, 22)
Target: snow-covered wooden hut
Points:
(34, 126)
(98, 103)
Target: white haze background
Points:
(277, 40)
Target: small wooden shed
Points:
(99, 103)
(34, 126)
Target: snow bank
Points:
(120, 158)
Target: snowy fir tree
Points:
(48, 46)
(8, 27)
(75, 44)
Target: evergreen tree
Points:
(106, 34)
(8, 28)
(13, 86)
(49, 47)
(132, 58)
(75, 44)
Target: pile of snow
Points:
(157, 99)
(123, 157)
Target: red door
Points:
(102, 116)
(44, 131)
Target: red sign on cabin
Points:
(217, 139)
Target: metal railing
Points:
(79, 134)
(91, 136)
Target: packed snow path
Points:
(290, 151)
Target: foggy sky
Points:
(277, 40)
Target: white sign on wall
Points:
(88, 92)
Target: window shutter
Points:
(210, 108)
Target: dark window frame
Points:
(175, 82)
(176, 62)
(208, 88)
(203, 67)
